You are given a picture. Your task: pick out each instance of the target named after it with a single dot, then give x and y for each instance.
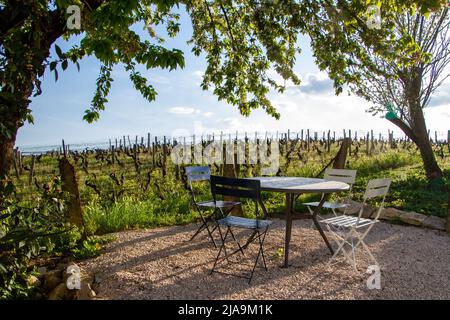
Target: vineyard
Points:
(130, 185)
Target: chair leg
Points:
(237, 242)
(200, 229)
(250, 240)
(339, 249)
(365, 247)
(354, 256)
(204, 226)
(260, 252)
(361, 238)
(334, 212)
(338, 239)
(222, 247)
(261, 243)
(370, 253)
(311, 211)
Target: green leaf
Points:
(59, 52)
(64, 64)
(53, 65)
(90, 116)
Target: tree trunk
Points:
(417, 131)
(16, 92)
(6, 153)
(431, 166)
(420, 138)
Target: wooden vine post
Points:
(70, 185)
(341, 157)
(16, 163)
(231, 170)
(30, 177)
(164, 155)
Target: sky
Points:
(182, 108)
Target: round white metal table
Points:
(293, 186)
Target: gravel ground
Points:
(162, 264)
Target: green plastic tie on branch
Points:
(391, 114)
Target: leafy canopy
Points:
(244, 41)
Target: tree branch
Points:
(13, 15)
(404, 127)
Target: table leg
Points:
(289, 203)
(318, 226)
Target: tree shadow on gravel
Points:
(192, 281)
(151, 234)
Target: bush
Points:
(25, 233)
(35, 230)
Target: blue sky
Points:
(183, 108)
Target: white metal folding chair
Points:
(352, 230)
(341, 175)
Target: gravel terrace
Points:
(161, 263)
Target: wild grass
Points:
(150, 199)
(132, 213)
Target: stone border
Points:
(52, 284)
(396, 215)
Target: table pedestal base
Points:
(289, 215)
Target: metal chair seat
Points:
(341, 175)
(239, 222)
(326, 204)
(218, 204)
(345, 221)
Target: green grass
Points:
(409, 189)
(128, 213)
(164, 201)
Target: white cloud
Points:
(198, 74)
(159, 79)
(190, 111)
(183, 110)
(438, 118)
(441, 96)
(233, 124)
(315, 83)
(197, 77)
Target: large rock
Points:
(70, 266)
(434, 222)
(413, 218)
(96, 281)
(33, 281)
(352, 208)
(61, 292)
(42, 271)
(369, 212)
(52, 279)
(86, 292)
(391, 214)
